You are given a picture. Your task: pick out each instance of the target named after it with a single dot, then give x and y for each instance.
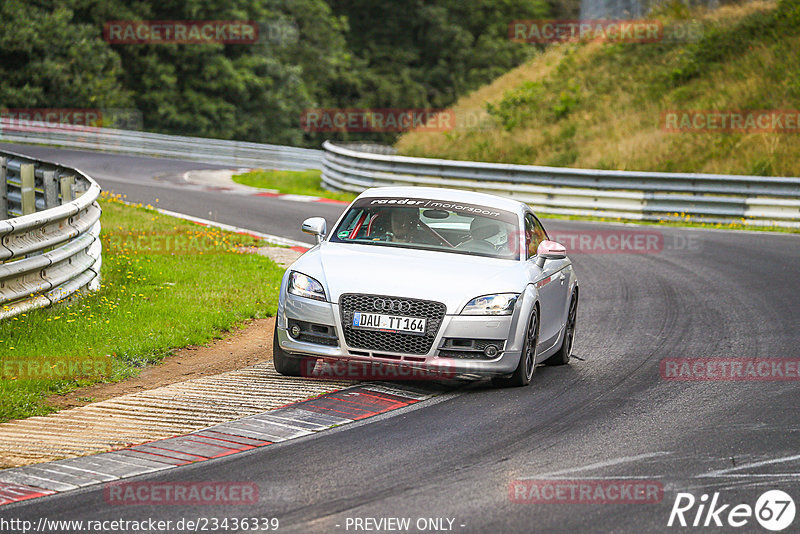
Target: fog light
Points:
(294, 330)
(490, 351)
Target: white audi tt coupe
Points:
(433, 279)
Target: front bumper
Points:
(452, 327)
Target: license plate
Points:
(389, 323)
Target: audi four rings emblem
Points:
(391, 305)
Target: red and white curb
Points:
(220, 181)
(288, 422)
(300, 198)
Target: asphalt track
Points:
(608, 416)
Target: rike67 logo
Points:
(774, 510)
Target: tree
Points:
(47, 60)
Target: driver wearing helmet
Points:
(406, 227)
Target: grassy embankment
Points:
(595, 105)
(600, 105)
(166, 283)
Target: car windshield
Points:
(431, 225)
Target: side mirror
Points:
(549, 250)
(316, 226)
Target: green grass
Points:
(166, 283)
(291, 182)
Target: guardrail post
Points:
(66, 189)
(3, 190)
(50, 186)
(28, 183)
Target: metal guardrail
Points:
(50, 247)
(222, 152)
(647, 196)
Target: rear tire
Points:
(284, 364)
(562, 356)
(526, 368)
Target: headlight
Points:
(500, 304)
(305, 286)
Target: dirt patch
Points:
(242, 348)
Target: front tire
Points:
(563, 355)
(284, 364)
(526, 367)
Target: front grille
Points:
(432, 311)
(469, 349)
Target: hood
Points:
(453, 279)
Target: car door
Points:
(551, 281)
